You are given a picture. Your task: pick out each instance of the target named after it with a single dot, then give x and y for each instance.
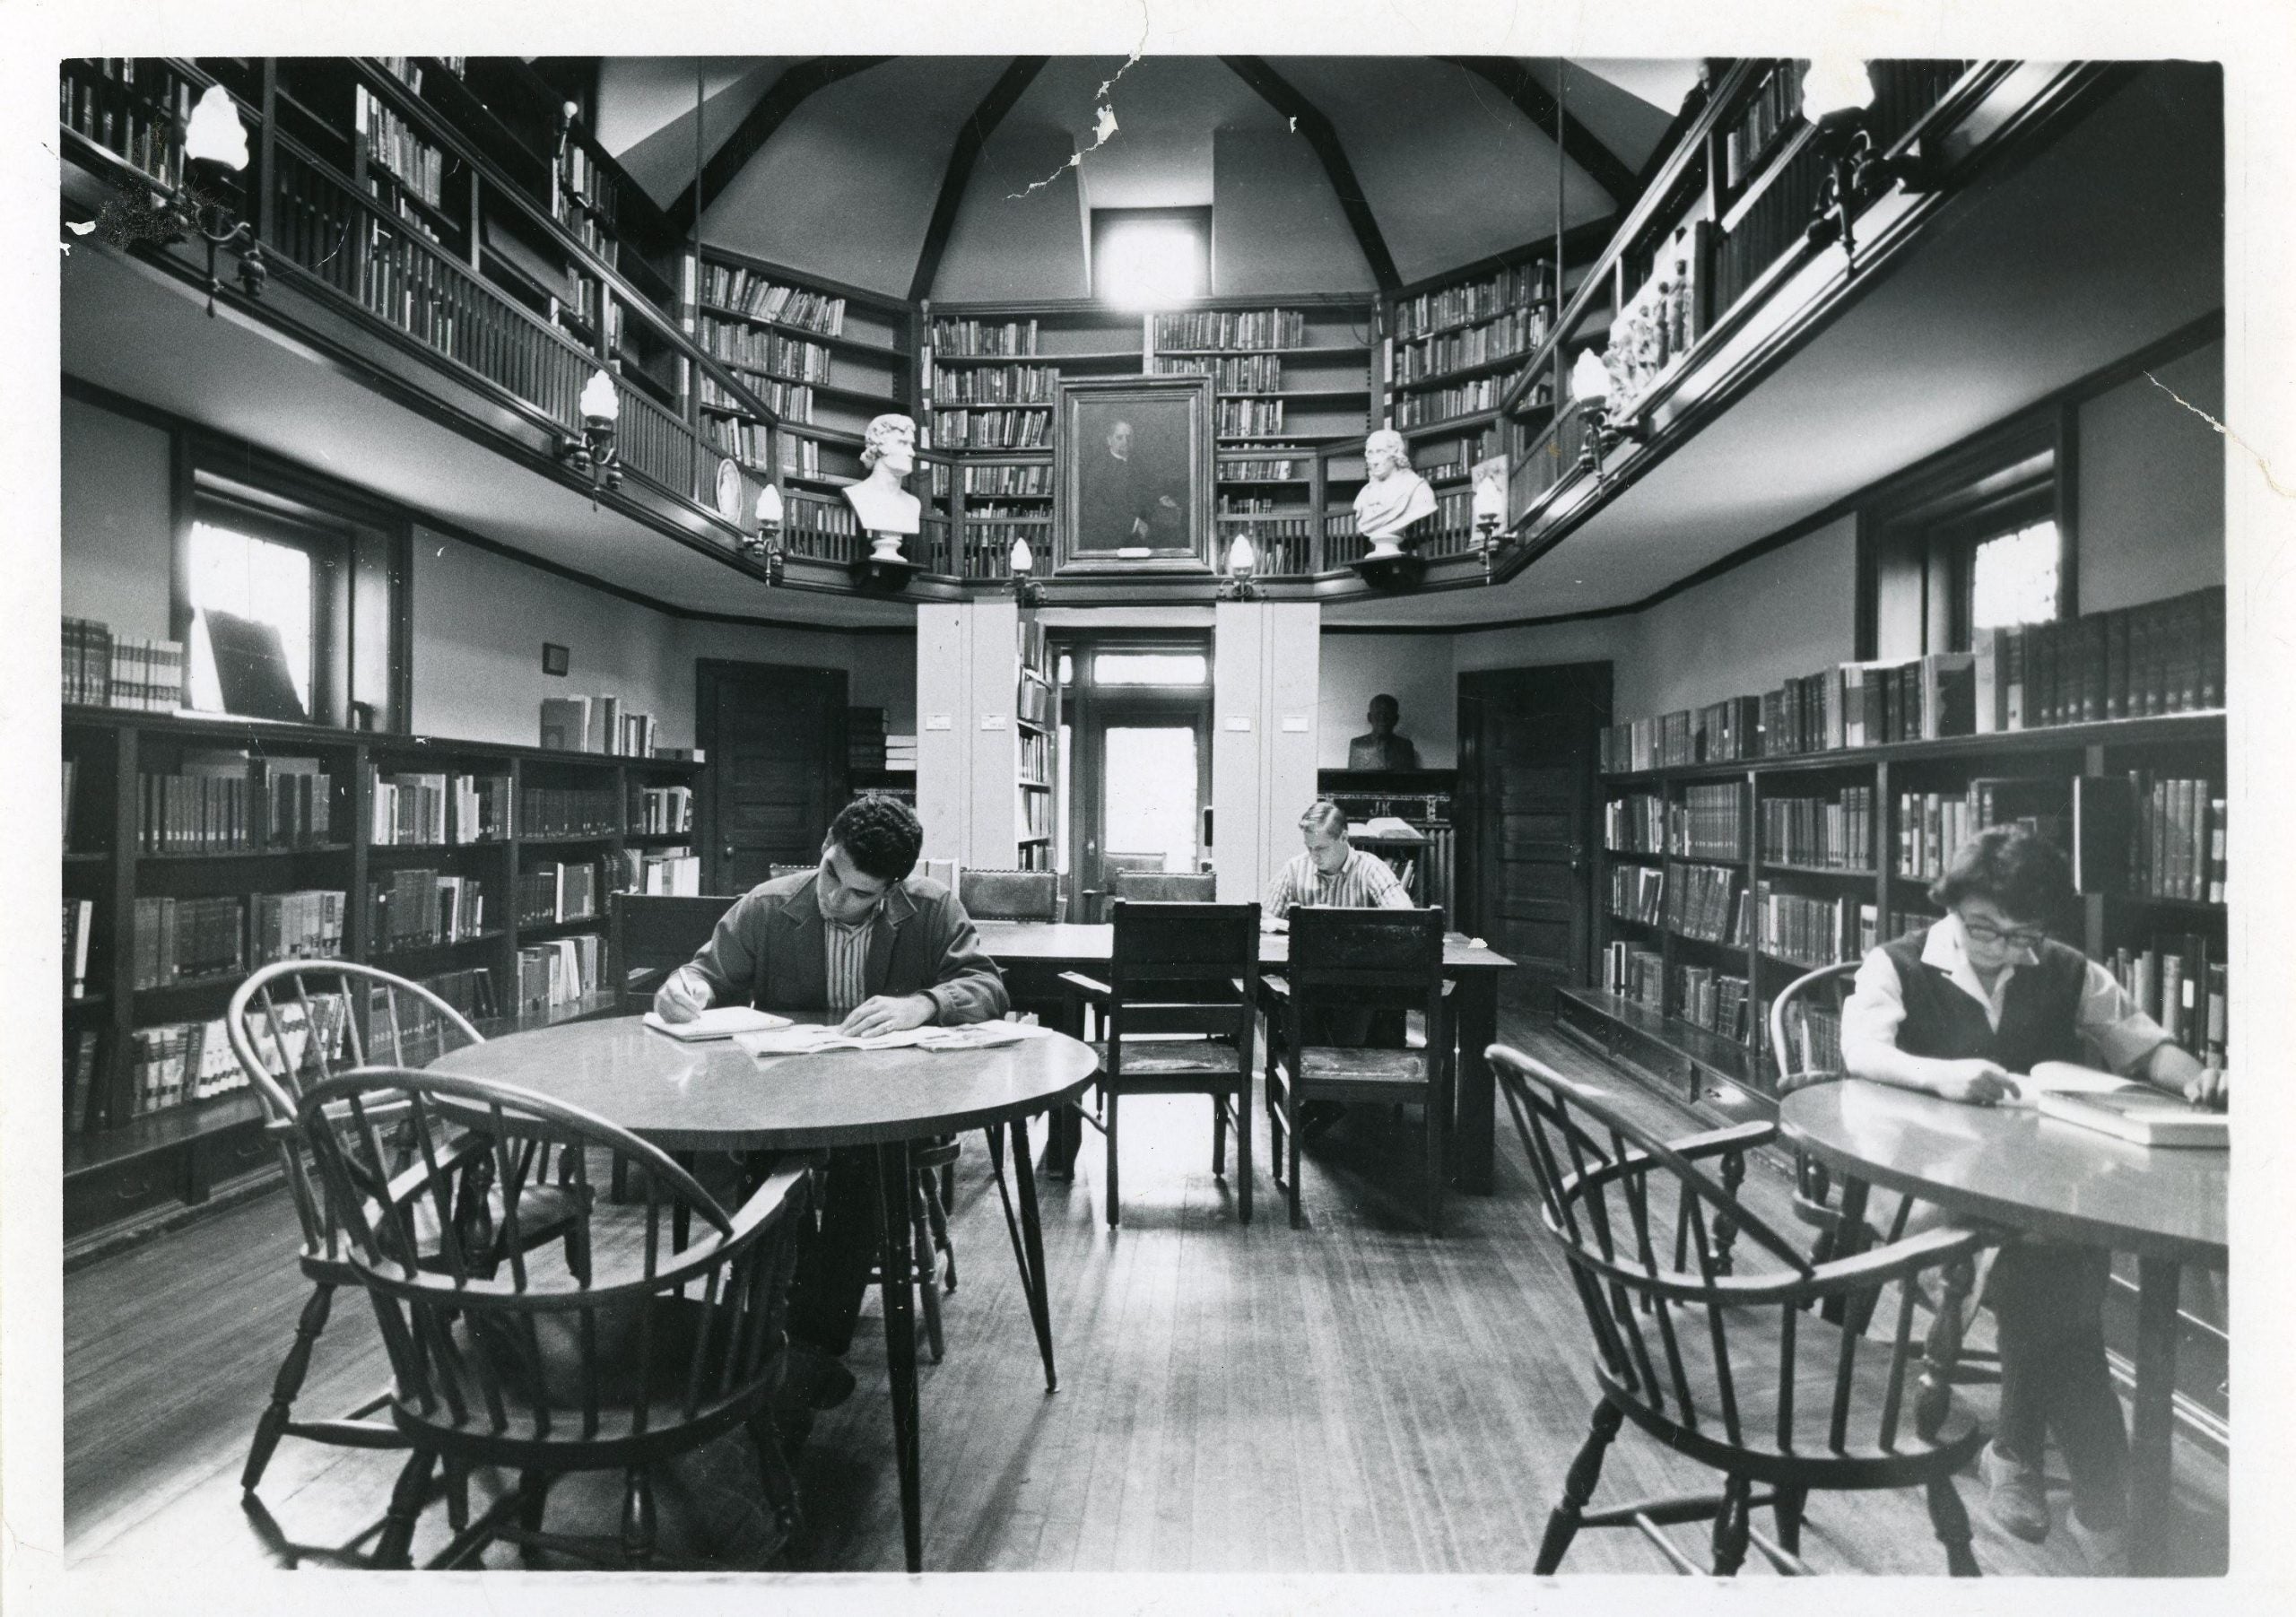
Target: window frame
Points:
(1104, 219)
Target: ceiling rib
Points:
(1280, 93)
(972, 134)
(789, 92)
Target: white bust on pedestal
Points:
(886, 511)
(1394, 498)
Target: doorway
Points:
(1136, 722)
(1529, 739)
(774, 737)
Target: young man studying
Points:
(1959, 1011)
(864, 940)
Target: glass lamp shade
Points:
(1590, 378)
(600, 401)
(1242, 559)
(1835, 85)
(769, 507)
(1023, 560)
(215, 134)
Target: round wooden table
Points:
(2055, 1181)
(712, 1096)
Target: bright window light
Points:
(2013, 579)
(254, 579)
(1149, 668)
(1151, 258)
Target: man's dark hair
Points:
(2022, 874)
(881, 836)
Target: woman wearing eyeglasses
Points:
(1958, 1010)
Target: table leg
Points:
(895, 1261)
(1476, 1007)
(1032, 1239)
(2152, 1438)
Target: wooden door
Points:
(774, 739)
(1529, 744)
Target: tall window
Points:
(2013, 578)
(252, 609)
(1973, 544)
(1151, 257)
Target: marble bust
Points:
(886, 510)
(1381, 748)
(1395, 497)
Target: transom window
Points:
(2013, 578)
(1150, 668)
(1151, 257)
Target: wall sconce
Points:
(765, 544)
(1490, 508)
(594, 455)
(1590, 390)
(1836, 94)
(1243, 561)
(1027, 590)
(214, 148)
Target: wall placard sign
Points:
(991, 721)
(936, 721)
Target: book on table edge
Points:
(2143, 1116)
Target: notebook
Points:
(721, 1021)
(2145, 1116)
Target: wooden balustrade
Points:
(658, 446)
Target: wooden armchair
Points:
(1344, 963)
(1177, 1018)
(1009, 895)
(296, 1023)
(1719, 1359)
(648, 937)
(1156, 887)
(548, 1371)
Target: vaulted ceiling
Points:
(790, 150)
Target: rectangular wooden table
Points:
(1032, 955)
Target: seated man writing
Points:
(1958, 1010)
(862, 939)
(1335, 871)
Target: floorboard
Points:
(1353, 1395)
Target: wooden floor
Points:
(1353, 1396)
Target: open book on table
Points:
(810, 1038)
(720, 1021)
(2121, 1107)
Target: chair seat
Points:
(1754, 1343)
(1173, 1058)
(546, 1212)
(1321, 1064)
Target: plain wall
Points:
(2151, 513)
(117, 529)
(1415, 669)
(1275, 221)
(1790, 613)
(1019, 233)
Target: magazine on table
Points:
(810, 1038)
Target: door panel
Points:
(775, 739)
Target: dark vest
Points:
(2039, 1019)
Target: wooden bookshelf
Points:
(1450, 347)
(1036, 748)
(124, 1167)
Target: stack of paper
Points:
(722, 1022)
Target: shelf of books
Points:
(200, 847)
(1748, 842)
(1451, 349)
(1036, 750)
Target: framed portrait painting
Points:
(1133, 461)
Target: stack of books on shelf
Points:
(557, 973)
(1637, 892)
(413, 810)
(1932, 826)
(392, 143)
(1713, 1000)
(1248, 417)
(1517, 331)
(106, 670)
(990, 337)
(993, 429)
(201, 809)
(1441, 404)
(302, 925)
(1256, 469)
(766, 352)
(744, 292)
(1259, 328)
(595, 724)
(188, 939)
(900, 752)
(1702, 902)
(673, 871)
(1023, 481)
(175, 1064)
(1248, 373)
(2177, 846)
(996, 385)
(748, 442)
(1709, 822)
(1834, 833)
(1633, 972)
(415, 909)
(2180, 981)
(1635, 823)
(1775, 107)
(662, 809)
(1509, 292)
(560, 810)
(1804, 930)
(553, 892)
(302, 803)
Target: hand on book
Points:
(1974, 1082)
(681, 998)
(2207, 1087)
(887, 1013)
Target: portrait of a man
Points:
(1134, 455)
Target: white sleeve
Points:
(1875, 1009)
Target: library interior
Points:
(697, 692)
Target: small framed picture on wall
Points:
(554, 658)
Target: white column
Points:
(967, 672)
(1263, 690)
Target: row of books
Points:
(557, 973)
(1035, 703)
(1775, 106)
(438, 809)
(106, 670)
(984, 336)
(2176, 840)
(992, 428)
(2178, 980)
(552, 892)
(306, 924)
(767, 352)
(1505, 291)
(208, 807)
(673, 871)
(1632, 971)
(900, 752)
(1441, 404)
(1834, 833)
(1932, 826)
(996, 385)
(801, 457)
(1035, 814)
(196, 940)
(1515, 332)
(129, 106)
(1637, 892)
(746, 441)
(392, 143)
(568, 810)
(78, 934)
(414, 909)
(755, 297)
(1816, 1035)
(791, 401)
(173, 1064)
(1804, 930)
(661, 810)
(1232, 328)
(1635, 823)
(1011, 482)
(1246, 373)
(596, 724)
(586, 200)
(1709, 822)
(1036, 758)
(811, 525)
(1703, 901)
(1713, 1000)
(1454, 460)
(1238, 417)
(1254, 469)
